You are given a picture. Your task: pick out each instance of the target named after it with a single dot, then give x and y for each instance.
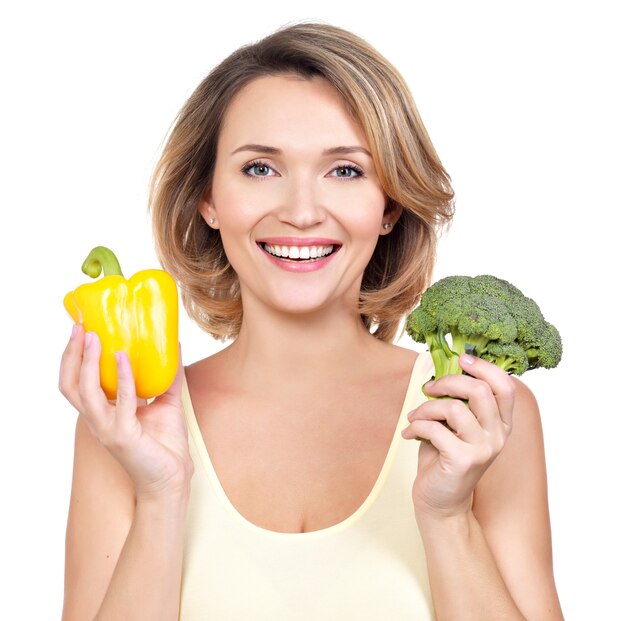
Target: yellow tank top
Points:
(370, 566)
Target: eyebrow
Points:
(261, 148)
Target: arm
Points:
(480, 499)
(464, 579)
(511, 506)
(110, 543)
(147, 578)
(102, 505)
(129, 494)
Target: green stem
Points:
(99, 259)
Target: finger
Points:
(92, 396)
(489, 398)
(126, 400)
(455, 413)
(501, 383)
(481, 402)
(444, 440)
(71, 361)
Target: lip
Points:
(299, 241)
(299, 266)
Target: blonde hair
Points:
(409, 170)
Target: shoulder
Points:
(521, 457)
(525, 443)
(204, 364)
(525, 400)
(395, 357)
(213, 366)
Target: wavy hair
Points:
(409, 170)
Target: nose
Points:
(300, 205)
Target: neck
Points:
(307, 348)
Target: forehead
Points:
(292, 110)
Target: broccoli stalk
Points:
(445, 358)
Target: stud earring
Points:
(387, 225)
(211, 220)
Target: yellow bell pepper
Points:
(138, 316)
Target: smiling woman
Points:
(297, 203)
(384, 131)
(293, 198)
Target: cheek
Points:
(233, 223)
(366, 219)
(237, 211)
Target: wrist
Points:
(428, 513)
(459, 522)
(166, 501)
(173, 490)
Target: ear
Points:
(207, 210)
(392, 213)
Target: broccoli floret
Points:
(546, 350)
(510, 356)
(487, 317)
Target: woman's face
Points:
(298, 217)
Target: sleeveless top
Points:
(370, 566)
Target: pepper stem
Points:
(99, 259)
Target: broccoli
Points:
(488, 318)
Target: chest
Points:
(300, 469)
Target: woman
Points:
(297, 203)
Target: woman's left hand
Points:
(452, 463)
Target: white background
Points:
(523, 102)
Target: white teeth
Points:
(298, 252)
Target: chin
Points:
(303, 299)
(303, 307)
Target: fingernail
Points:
(74, 330)
(410, 414)
(467, 359)
(427, 386)
(88, 339)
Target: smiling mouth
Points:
(299, 254)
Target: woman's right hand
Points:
(149, 440)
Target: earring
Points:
(211, 220)
(387, 225)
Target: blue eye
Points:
(349, 168)
(258, 165)
(347, 171)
